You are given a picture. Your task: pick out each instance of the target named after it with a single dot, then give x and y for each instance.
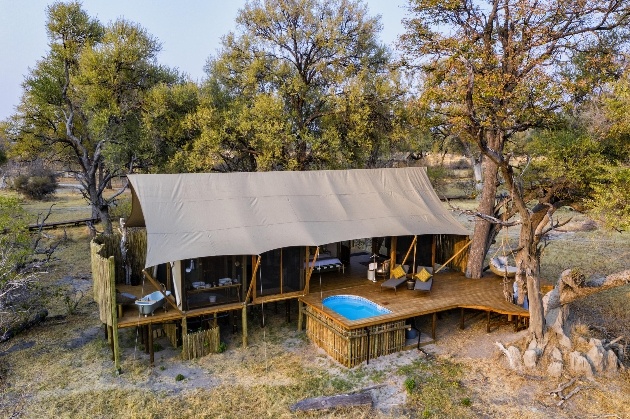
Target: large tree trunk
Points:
(476, 164)
(100, 208)
(481, 236)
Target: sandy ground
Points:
(78, 345)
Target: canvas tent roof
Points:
(208, 214)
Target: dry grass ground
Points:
(63, 367)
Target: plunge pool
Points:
(353, 307)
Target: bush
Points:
(121, 208)
(37, 184)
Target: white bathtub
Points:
(150, 302)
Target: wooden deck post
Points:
(244, 319)
(151, 353)
(300, 316)
(433, 250)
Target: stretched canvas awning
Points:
(208, 214)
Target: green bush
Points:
(38, 183)
(120, 209)
(410, 385)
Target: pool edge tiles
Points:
(354, 307)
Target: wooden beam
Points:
(158, 286)
(453, 257)
(392, 251)
(252, 283)
(413, 242)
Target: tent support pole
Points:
(392, 251)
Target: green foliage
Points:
(611, 197)
(434, 388)
(121, 208)
(282, 96)
(568, 161)
(38, 183)
(71, 299)
(438, 176)
(83, 102)
(14, 239)
(15, 252)
(222, 347)
(410, 385)
(179, 377)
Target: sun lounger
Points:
(424, 285)
(394, 282)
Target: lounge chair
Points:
(500, 267)
(395, 281)
(423, 285)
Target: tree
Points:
(304, 84)
(168, 125)
(15, 252)
(82, 103)
(491, 70)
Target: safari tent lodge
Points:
(200, 246)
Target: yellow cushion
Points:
(423, 275)
(398, 272)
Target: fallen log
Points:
(27, 324)
(330, 402)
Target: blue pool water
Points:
(353, 307)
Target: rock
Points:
(611, 362)
(556, 355)
(513, 355)
(530, 358)
(556, 316)
(596, 354)
(555, 369)
(578, 364)
(533, 344)
(565, 341)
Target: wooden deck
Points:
(131, 316)
(450, 290)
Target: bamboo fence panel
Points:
(198, 344)
(102, 282)
(136, 251)
(350, 347)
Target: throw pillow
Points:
(423, 275)
(398, 272)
